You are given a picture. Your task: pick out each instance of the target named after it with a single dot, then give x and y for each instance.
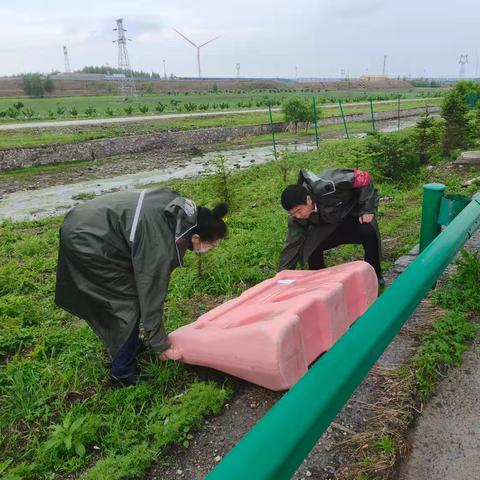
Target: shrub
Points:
(12, 112)
(128, 109)
(60, 110)
(160, 107)
(109, 111)
(90, 111)
(28, 112)
(143, 108)
(190, 107)
(393, 156)
(18, 105)
(73, 111)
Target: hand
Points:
(171, 354)
(366, 218)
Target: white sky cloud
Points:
(269, 39)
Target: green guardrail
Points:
(277, 445)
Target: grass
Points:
(48, 136)
(59, 416)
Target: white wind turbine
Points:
(198, 47)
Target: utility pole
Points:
(127, 84)
(237, 66)
(65, 57)
(384, 64)
(164, 70)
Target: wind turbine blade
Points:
(187, 39)
(210, 41)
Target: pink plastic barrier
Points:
(271, 333)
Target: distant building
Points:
(374, 78)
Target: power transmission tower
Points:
(237, 66)
(463, 61)
(65, 57)
(384, 64)
(198, 47)
(127, 85)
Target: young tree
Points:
(454, 112)
(296, 110)
(425, 137)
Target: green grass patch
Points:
(59, 415)
(445, 344)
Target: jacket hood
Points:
(184, 211)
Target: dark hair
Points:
(294, 195)
(210, 226)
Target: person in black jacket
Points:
(336, 207)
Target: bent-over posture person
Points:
(116, 255)
(336, 207)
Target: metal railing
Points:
(277, 445)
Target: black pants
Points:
(350, 231)
(124, 365)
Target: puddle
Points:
(57, 200)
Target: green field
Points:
(60, 418)
(61, 135)
(114, 106)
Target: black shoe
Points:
(126, 381)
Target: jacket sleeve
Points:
(292, 248)
(367, 194)
(152, 269)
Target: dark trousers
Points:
(350, 231)
(125, 364)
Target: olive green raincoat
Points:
(336, 196)
(116, 255)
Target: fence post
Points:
(317, 139)
(398, 114)
(343, 116)
(273, 131)
(430, 228)
(371, 110)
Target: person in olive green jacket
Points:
(336, 207)
(116, 255)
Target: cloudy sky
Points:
(307, 38)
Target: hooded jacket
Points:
(116, 255)
(336, 193)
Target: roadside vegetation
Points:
(15, 109)
(24, 138)
(60, 417)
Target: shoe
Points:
(127, 381)
(381, 282)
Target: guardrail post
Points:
(430, 228)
